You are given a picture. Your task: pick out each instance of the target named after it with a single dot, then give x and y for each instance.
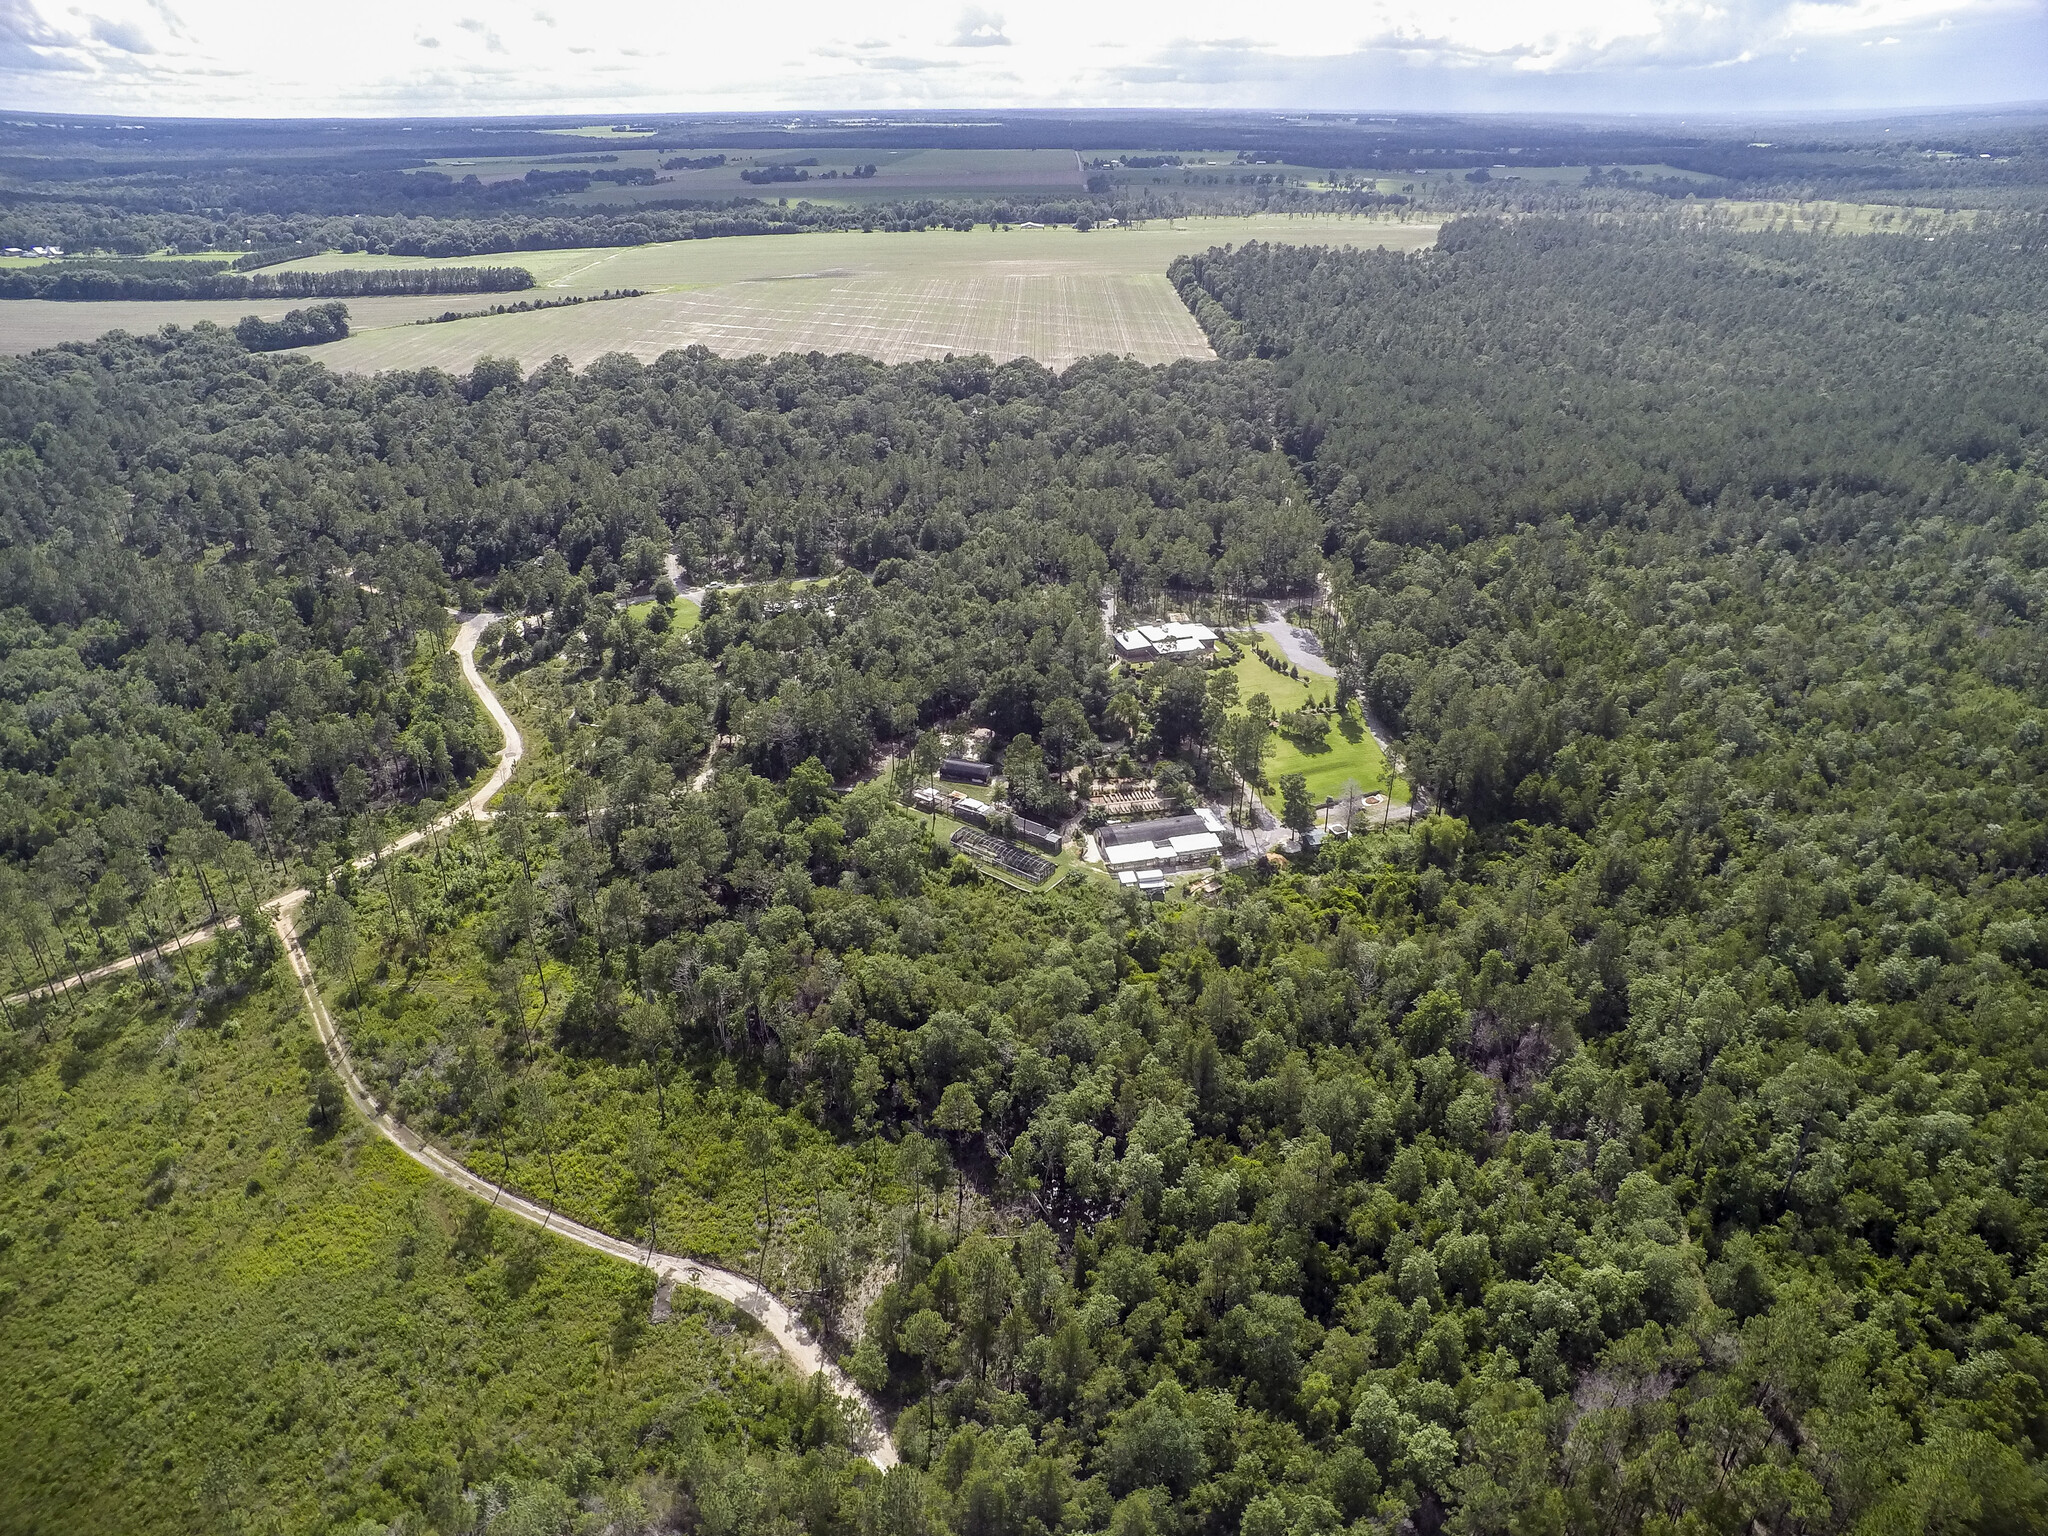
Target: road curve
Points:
(756, 1301)
(467, 633)
(751, 1298)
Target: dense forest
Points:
(267, 603)
(1652, 1139)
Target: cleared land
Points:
(1051, 294)
(1053, 318)
(266, 1315)
(1346, 755)
(1833, 218)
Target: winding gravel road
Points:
(756, 1301)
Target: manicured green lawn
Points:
(683, 613)
(1348, 754)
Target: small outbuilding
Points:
(1036, 833)
(967, 770)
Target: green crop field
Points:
(1345, 756)
(1143, 249)
(216, 1316)
(1052, 294)
(14, 263)
(547, 267)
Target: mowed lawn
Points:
(1348, 754)
(683, 614)
(1051, 294)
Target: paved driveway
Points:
(1296, 644)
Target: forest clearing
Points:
(207, 1257)
(1335, 753)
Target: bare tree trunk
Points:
(193, 981)
(205, 889)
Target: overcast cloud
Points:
(424, 56)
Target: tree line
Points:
(76, 281)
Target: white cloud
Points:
(31, 44)
(979, 28)
(484, 34)
(228, 56)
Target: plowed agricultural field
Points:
(1049, 294)
(1054, 317)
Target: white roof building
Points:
(1174, 639)
(1172, 850)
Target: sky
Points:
(406, 57)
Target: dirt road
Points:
(775, 1318)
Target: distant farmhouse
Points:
(1150, 641)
